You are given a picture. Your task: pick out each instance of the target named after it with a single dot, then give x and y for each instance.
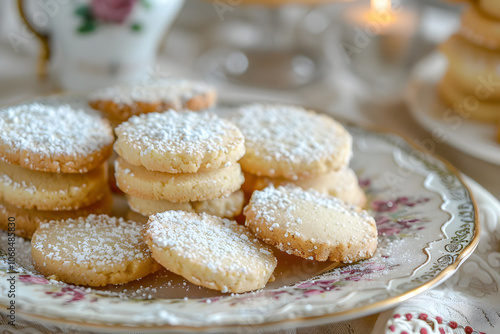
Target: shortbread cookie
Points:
(122, 102)
(27, 221)
(472, 68)
(139, 182)
(93, 251)
(209, 251)
(342, 184)
(225, 207)
(31, 189)
(492, 7)
(311, 225)
(290, 142)
(479, 28)
(54, 139)
(468, 105)
(175, 142)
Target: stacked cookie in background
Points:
(52, 165)
(180, 161)
(291, 145)
(470, 85)
(119, 103)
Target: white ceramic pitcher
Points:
(97, 43)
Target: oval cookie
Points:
(311, 225)
(174, 142)
(342, 184)
(93, 251)
(472, 68)
(27, 221)
(31, 189)
(54, 139)
(468, 105)
(209, 251)
(121, 102)
(480, 28)
(181, 187)
(291, 142)
(225, 207)
(492, 7)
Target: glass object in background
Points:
(97, 43)
(258, 45)
(377, 39)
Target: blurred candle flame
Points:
(381, 5)
(381, 11)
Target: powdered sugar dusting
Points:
(7, 181)
(50, 131)
(171, 132)
(96, 239)
(289, 133)
(220, 244)
(174, 92)
(286, 197)
(295, 211)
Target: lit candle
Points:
(376, 41)
(381, 18)
(381, 5)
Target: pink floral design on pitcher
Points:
(115, 11)
(104, 12)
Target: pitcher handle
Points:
(43, 59)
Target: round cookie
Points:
(31, 189)
(27, 221)
(472, 68)
(54, 139)
(209, 251)
(469, 106)
(139, 182)
(225, 207)
(121, 102)
(480, 28)
(311, 225)
(174, 142)
(93, 251)
(342, 184)
(492, 7)
(291, 142)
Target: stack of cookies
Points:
(52, 165)
(119, 103)
(470, 86)
(291, 145)
(180, 161)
